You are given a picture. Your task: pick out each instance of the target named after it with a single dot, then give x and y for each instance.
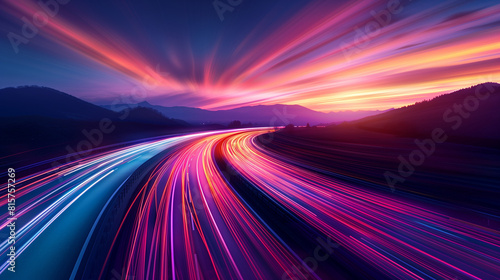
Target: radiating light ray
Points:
(321, 57)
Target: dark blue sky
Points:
(285, 51)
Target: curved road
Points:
(400, 238)
(190, 219)
(56, 208)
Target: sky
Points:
(325, 55)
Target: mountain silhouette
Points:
(149, 115)
(35, 101)
(265, 115)
(47, 102)
(44, 122)
(470, 113)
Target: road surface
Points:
(220, 206)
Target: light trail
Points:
(403, 239)
(53, 199)
(188, 221)
(202, 212)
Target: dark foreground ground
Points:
(461, 174)
(37, 143)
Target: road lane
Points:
(56, 208)
(189, 224)
(402, 239)
(186, 220)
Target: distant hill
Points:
(266, 115)
(150, 115)
(462, 114)
(397, 150)
(39, 123)
(35, 101)
(47, 102)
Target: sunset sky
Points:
(325, 55)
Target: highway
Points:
(57, 208)
(198, 226)
(209, 208)
(401, 239)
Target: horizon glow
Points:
(359, 55)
